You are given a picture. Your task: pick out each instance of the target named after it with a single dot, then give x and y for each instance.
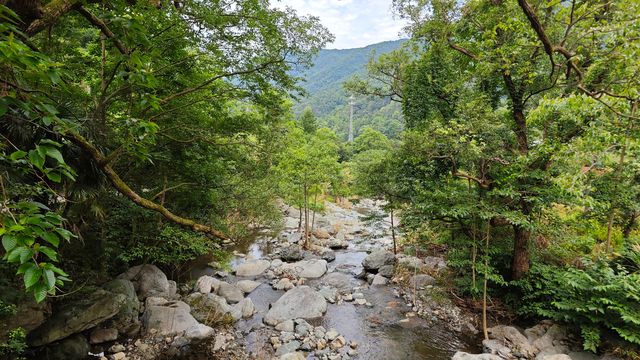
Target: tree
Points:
(491, 85)
(308, 121)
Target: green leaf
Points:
(66, 234)
(49, 278)
(55, 153)
(39, 292)
(17, 155)
(32, 276)
(49, 252)
(51, 238)
(54, 176)
(9, 242)
(36, 159)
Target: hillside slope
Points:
(327, 98)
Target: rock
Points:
(286, 325)
(246, 308)
(338, 343)
(558, 357)
(211, 308)
(329, 293)
(328, 255)
(519, 344)
(360, 301)
(247, 286)
(205, 284)
(300, 302)
(338, 280)
(168, 319)
(127, 318)
(252, 268)
(74, 347)
(496, 348)
(117, 348)
(386, 271)
(275, 263)
(552, 350)
(220, 342)
(535, 332)
(376, 259)
(310, 269)
(379, 280)
(231, 293)
(288, 347)
(465, 356)
(293, 356)
(119, 356)
(178, 342)
(78, 316)
(294, 238)
(411, 263)
(284, 284)
(198, 332)
(337, 243)
(148, 280)
(292, 253)
(432, 263)
(331, 334)
(420, 281)
(554, 335)
(99, 336)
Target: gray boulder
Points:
(338, 280)
(247, 286)
(198, 332)
(231, 293)
(126, 320)
(310, 269)
(78, 316)
(210, 308)
(518, 343)
(168, 319)
(300, 302)
(328, 255)
(292, 253)
(206, 284)
(148, 280)
(337, 243)
(386, 271)
(252, 268)
(379, 280)
(294, 238)
(245, 307)
(377, 259)
(411, 262)
(432, 263)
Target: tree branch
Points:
(97, 22)
(125, 190)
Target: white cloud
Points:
(355, 23)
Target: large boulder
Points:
(321, 233)
(301, 302)
(247, 286)
(516, 341)
(148, 280)
(78, 316)
(337, 243)
(127, 318)
(206, 284)
(74, 347)
(252, 268)
(310, 269)
(211, 309)
(169, 318)
(338, 280)
(411, 262)
(231, 293)
(292, 252)
(377, 259)
(434, 264)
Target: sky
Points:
(355, 23)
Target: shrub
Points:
(602, 297)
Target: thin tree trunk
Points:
(474, 254)
(484, 286)
(313, 219)
(520, 264)
(306, 219)
(393, 234)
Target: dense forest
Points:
(501, 137)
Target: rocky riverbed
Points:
(347, 296)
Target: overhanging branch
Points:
(125, 190)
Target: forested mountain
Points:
(329, 100)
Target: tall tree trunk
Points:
(631, 223)
(393, 234)
(484, 286)
(315, 203)
(520, 263)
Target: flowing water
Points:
(382, 328)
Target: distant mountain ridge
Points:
(327, 97)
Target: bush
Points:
(602, 297)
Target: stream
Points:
(385, 328)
